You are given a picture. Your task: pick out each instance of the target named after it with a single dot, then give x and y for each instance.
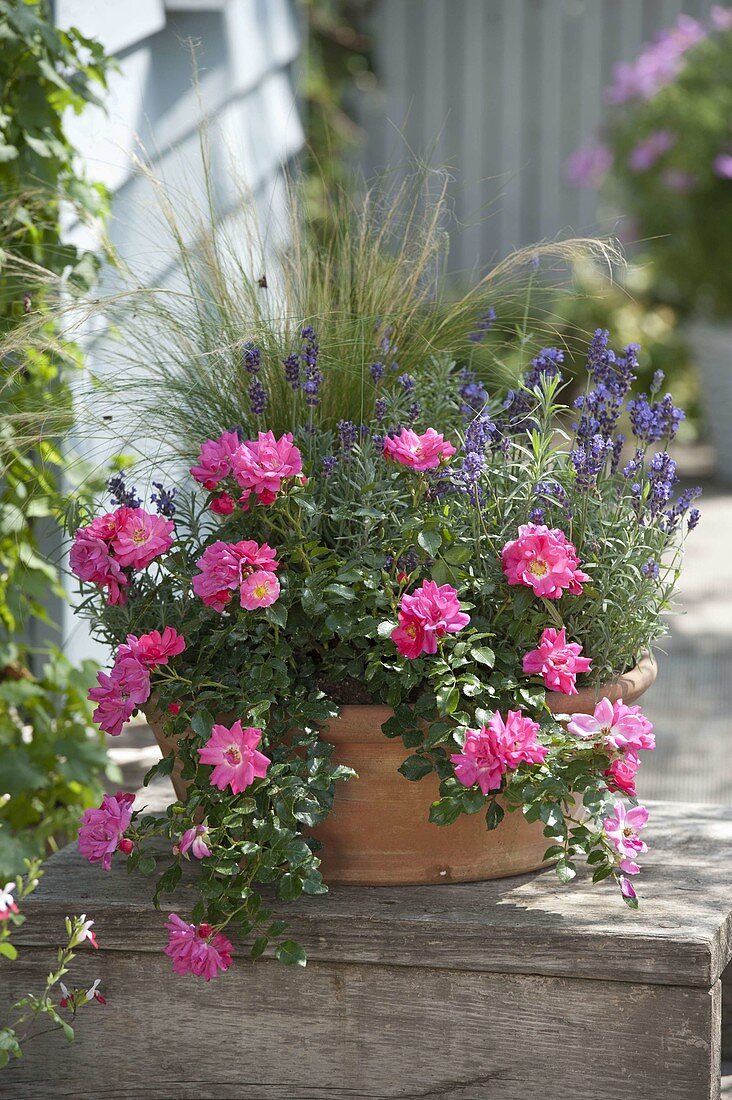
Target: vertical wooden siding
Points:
(503, 91)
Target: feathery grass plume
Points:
(170, 349)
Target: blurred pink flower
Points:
(103, 828)
(119, 693)
(197, 950)
(419, 452)
(233, 752)
(587, 167)
(543, 559)
(557, 661)
(647, 152)
(723, 166)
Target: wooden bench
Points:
(509, 990)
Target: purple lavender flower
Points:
(380, 407)
(551, 492)
(473, 394)
(163, 500)
(408, 562)
(292, 369)
(675, 514)
(348, 433)
(652, 422)
(377, 371)
(480, 433)
(257, 397)
(329, 464)
(313, 374)
(589, 459)
(414, 411)
(536, 515)
(483, 324)
(122, 496)
(650, 569)
(694, 517)
(662, 479)
(657, 381)
(407, 382)
(612, 375)
(252, 358)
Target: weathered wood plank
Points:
(371, 1031)
(527, 924)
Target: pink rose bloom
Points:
(259, 590)
(261, 465)
(119, 693)
(214, 460)
(102, 829)
(622, 829)
(558, 661)
(620, 726)
(235, 756)
(197, 950)
(497, 748)
(195, 841)
(542, 558)
(224, 565)
(7, 904)
(106, 527)
(91, 561)
(141, 538)
(429, 613)
(154, 648)
(419, 452)
(621, 774)
(223, 504)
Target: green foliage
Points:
(681, 207)
(50, 758)
(21, 1022)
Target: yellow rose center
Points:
(539, 568)
(233, 755)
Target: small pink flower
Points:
(214, 460)
(721, 18)
(620, 726)
(430, 612)
(197, 950)
(645, 154)
(235, 756)
(542, 558)
(622, 829)
(259, 590)
(223, 505)
(557, 661)
(141, 538)
(419, 452)
(91, 561)
(126, 846)
(195, 841)
(224, 565)
(621, 774)
(102, 829)
(587, 167)
(626, 888)
(174, 709)
(497, 748)
(261, 465)
(93, 994)
(7, 902)
(120, 692)
(154, 648)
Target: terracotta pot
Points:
(378, 833)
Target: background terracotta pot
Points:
(378, 833)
